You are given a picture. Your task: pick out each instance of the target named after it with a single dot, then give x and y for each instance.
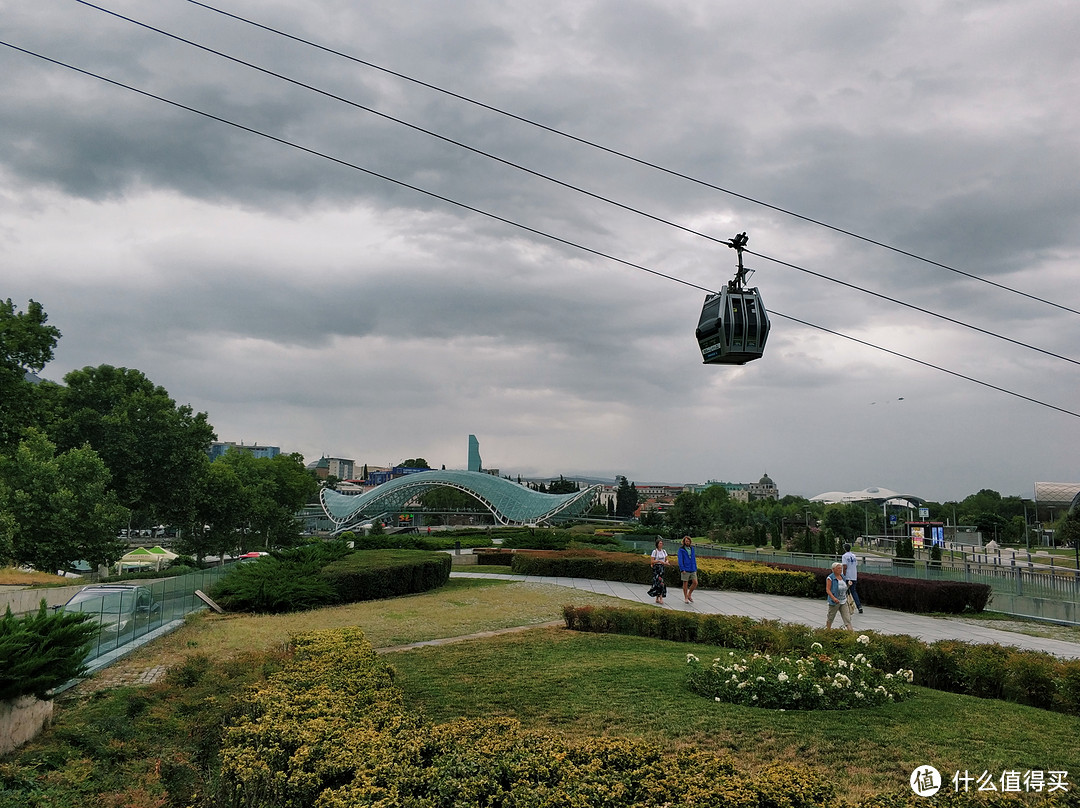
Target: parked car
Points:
(118, 608)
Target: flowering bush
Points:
(815, 682)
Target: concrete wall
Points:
(28, 600)
(21, 720)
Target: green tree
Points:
(415, 463)
(563, 486)
(26, 346)
(56, 509)
(1068, 532)
(152, 446)
(273, 490)
(684, 516)
(447, 498)
(626, 499)
(220, 506)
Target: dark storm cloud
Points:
(284, 292)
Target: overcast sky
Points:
(306, 304)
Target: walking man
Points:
(688, 569)
(851, 574)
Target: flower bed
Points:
(815, 682)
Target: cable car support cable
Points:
(488, 214)
(547, 177)
(623, 155)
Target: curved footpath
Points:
(807, 611)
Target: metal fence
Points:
(126, 615)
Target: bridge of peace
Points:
(508, 502)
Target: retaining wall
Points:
(21, 720)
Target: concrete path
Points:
(809, 612)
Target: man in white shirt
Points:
(851, 574)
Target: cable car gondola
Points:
(733, 326)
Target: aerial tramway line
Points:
(733, 326)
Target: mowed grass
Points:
(10, 576)
(589, 684)
(461, 607)
(593, 684)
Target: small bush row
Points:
(986, 670)
(908, 594)
(41, 651)
(884, 591)
(713, 573)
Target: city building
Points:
(219, 448)
(338, 467)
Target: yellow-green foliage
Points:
(330, 731)
(713, 573)
(747, 576)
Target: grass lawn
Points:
(463, 606)
(587, 684)
(9, 576)
(548, 678)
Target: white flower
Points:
(865, 640)
(858, 694)
(754, 697)
(820, 692)
(692, 658)
(783, 677)
(888, 676)
(761, 678)
(816, 646)
(718, 698)
(742, 685)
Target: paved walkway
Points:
(807, 611)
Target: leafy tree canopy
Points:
(153, 447)
(26, 344)
(56, 509)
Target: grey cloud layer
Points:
(274, 287)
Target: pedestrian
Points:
(836, 592)
(851, 575)
(688, 569)
(659, 564)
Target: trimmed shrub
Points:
(987, 670)
(908, 594)
(386, 573)
(273, 585)
(939, 666)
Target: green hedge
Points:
(318, 575)
(908, 594)
(414, 541)
(986, 670)
(884, 591)
(41, 651)
(713, 573)
(386, 573)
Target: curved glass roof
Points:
(510, 503)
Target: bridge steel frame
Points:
(510, 504)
